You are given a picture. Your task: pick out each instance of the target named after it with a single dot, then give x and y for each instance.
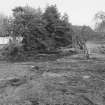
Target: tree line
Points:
(42, 31)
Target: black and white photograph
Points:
(52, 52)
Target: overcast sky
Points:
(81, 12)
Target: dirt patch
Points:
(77, 81)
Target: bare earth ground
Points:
(71, 80)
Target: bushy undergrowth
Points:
(15, 53)
(12, 52)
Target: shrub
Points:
(12, 52)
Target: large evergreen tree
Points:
(58, 27)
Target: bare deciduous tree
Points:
(80, 42)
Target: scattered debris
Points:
(86, 77)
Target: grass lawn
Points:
(71, 80)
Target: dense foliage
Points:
(41, 31)
(45, 32)
(4, 25)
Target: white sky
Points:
(81, 12)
